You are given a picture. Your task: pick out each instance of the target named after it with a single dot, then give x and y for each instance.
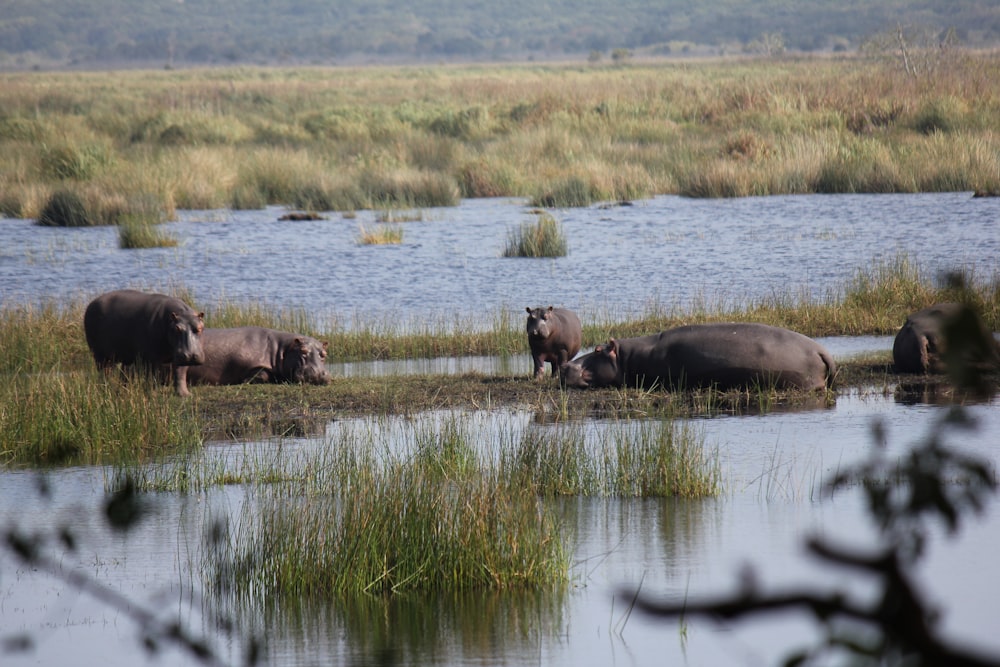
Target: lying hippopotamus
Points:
(157, 331)
(920, 346)
(721, 355)
(554, 336)
(256, 354)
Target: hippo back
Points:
(128, 326)
(257, 354)
(724, 355)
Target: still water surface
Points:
(668, 251)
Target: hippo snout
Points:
(195, 358)
(574, 375)
(313, 376)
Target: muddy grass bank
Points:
(248, 411)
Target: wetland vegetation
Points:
(104, 145)
(44, 356)
(448, 511)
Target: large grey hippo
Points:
(156, 331)
(920, 346)
(554, 335)
(725, 355)
(256, 354)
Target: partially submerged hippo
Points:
(920, 346)
(554, 335)
(156, 331)
(257, 354)
(722, 355)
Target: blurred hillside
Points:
(177, 32)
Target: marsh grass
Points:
(629, 458)
(56, 417)
(439, 503)
(138, 231)
(421, 514)
(875, 301)
(380, 235)
(542, 238)
(376, 137)
(36, 338)
(65, 208)
(226, 314)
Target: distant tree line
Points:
(92, 32)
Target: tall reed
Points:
(637, 458)
(425, 515)
(72, 418)
(542, 238)
(443, 503)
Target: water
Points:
(666, 251)
(771, 468)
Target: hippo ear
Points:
(613, 348)
(528, 308)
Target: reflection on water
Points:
(669, 251)
(676, 548)
(486, 627)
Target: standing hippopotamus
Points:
(920, 347)
(153, 330)
(256, 354)
(554, 336)
(721, 355)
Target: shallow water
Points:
(771, 467)
(666, 251)
(669, 251)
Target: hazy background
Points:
(167, 33)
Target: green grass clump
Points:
(134, 232)
(573, 192)
(65, 208)
(408, 189)
(543, 238)
(633, 459)
(73, 162)
(55, 417)
(436, 504)
(425, 514)
(380, 235)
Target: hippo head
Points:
(538, 323)
(305, 361)
(184, 337)
(597, 369)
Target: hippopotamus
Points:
(156, 331)
(920, 347)
(725, 356)
(554, 336)
(256, 354)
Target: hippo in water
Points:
(554, 336)
(721, 355)
(256, 354)
(134, 328)
(920, 347)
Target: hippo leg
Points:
(539, 371)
